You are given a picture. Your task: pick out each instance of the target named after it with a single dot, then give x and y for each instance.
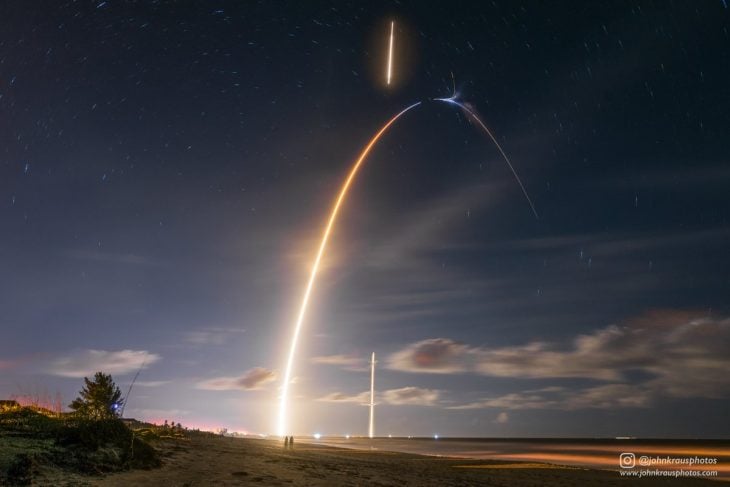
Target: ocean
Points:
(601, 453)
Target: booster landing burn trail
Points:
(282, 423)
(389, 69)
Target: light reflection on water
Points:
(588, 453)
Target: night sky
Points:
(166, 170)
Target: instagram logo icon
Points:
(627, 460)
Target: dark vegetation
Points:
(39, 445)
(99, 399)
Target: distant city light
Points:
(317, 436)
(435, 437)
(347, 436)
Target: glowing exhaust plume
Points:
(284, 402)
(499, 147)
(390, 52)
(282, 427)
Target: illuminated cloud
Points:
(411, 396)
(345, 361)
(251, 380)
(405, 396)
(87, 362)
(435, 356)
(677, 353)
(502, 418)
(7, 364)
(362, 398)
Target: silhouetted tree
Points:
(99, 399)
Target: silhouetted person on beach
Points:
(286, 442)
(291, 442)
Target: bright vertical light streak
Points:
(282, 427)
(371, 429)
(390, 51)
(499, 147)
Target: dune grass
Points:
(35, 442)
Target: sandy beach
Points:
(202, 461)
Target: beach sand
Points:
(200, 461)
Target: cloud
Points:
(675, 353)
(430, 228)
(344, 361)
(411, 396)
(405, 396)
(7, 364)
(609, 396)
(435, 356)
(361, 398)
(85, 363)
(251, 380)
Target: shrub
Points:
(106, 445)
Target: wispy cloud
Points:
(251, 380)
(361, 398)
(85, 363)
(502, 418)
(405, 396)
(411, 396)
(434, 356)
(678, 353)
(609, 396)
(347, 362)
(598, 273)
(7, 364)
(430, 228)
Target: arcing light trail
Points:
(283, 405)
(499, 147)
(390, 52)
(282, 426)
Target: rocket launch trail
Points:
(284, 402)
(282, 425)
